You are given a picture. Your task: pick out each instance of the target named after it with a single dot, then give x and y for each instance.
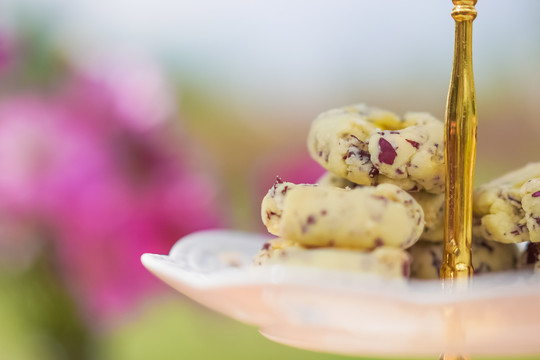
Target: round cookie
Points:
(361, 218)
(369, 146)
(487, 256)
(384, 261)
(432, 204)
(507, 209)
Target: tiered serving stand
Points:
(354, 314)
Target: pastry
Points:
(385, 261)
(369, 146)
(432, 204)
(360, 218)
(507, 209)
(487, 256)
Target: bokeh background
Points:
(127, 124)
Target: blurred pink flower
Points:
(42, 151)
(131, 90)
(7, 49)
(108, 189)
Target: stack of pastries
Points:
(379, 209)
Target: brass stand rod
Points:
(460, 151)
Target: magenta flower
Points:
(41, 149)
(7, 49)
(130, 93)
(101, 171)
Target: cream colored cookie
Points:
(369, 146)
(362, 218)
(432, 204)
(530, 202)
(385, 261)
(487, 256)
(507, 209)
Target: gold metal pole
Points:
(460, 151)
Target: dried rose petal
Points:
(387, 153)
(413, 143)
(373, 172)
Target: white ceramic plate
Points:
(348, 313)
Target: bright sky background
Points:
(306, 50)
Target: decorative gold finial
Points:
(460, 150)
(464, 10)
